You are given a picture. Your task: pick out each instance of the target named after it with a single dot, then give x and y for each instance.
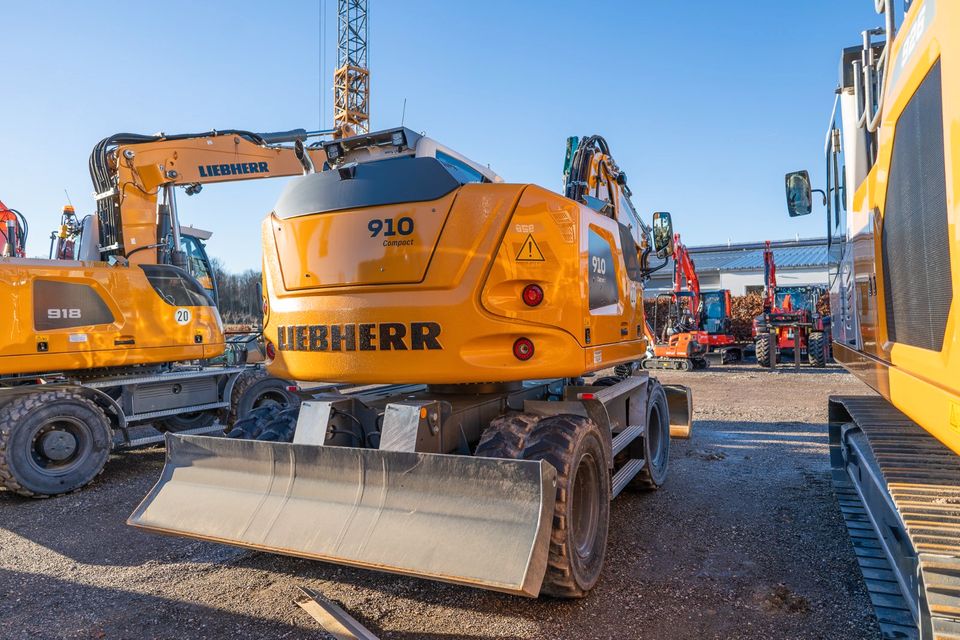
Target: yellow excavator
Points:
(469, 310)
(122, 329)
(893, 212)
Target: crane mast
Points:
(351, 79)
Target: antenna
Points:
(403, 114)
(69, 201)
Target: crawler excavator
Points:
(893, 213)
(683, 343)
(121, 329)
(470, 309)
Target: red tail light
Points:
(271, 350)
(523, 349)
(532, 295)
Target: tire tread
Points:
(554, 440)
(11, 416)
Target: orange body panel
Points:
(494, 240)
(141, 327)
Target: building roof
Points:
(809, 252)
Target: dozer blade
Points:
(481, 522)
(680, 403)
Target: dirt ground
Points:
(744, 541)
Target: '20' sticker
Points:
(182, 316)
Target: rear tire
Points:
(817, 349)
(52, 442)
(762, 345)
(574, 447)
(253, 424)
(255, 388)
(506, 436)
(282, 427)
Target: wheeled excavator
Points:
(893, 211)
(469, 311)
(122, 328)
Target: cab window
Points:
(627, 216)
(460, 170)
(197, 263)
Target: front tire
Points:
(817, 349)
(52, 442)
(763, 346)
(655, 444)
(581, 519)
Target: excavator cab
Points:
(198, 264)
(717, 311)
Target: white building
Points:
(739, 267)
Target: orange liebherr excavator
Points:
(682, 344)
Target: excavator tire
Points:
(281, 427)
(656, 442)
(253, 424)
(185, 421)
(573, 446)
(506, 436)
(52, 442)
(817, 349)
(762, 345)
(255, 388)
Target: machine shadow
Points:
(101, 612)
(89, 526)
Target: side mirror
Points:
(799, 193)
(662, 234)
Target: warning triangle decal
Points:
(529, 251)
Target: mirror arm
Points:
(653, 270)
(822, 193)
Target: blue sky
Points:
(705, 104)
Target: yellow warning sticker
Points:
(529, 251)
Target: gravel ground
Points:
(744, 541)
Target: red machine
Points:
(13, 233)
(722, 346)
(682, 345)
(698, 328)
(790, 320)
